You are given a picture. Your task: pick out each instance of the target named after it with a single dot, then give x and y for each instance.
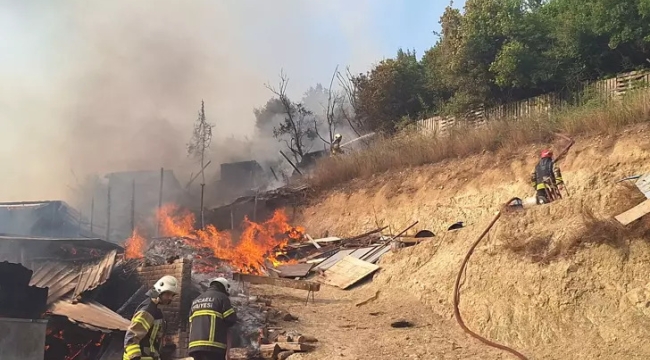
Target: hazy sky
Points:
(99, 86)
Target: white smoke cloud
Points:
(115, 85)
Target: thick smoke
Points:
(103, 86)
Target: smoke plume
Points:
(102, 86)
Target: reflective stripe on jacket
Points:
(211, 316)
(144, 336)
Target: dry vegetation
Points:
(587, 229)
(414, 149)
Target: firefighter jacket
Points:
(335, 149)
(144, 336)
(546, 169)
(210, 317)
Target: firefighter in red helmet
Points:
(547, 178)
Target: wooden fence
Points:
(608, 89)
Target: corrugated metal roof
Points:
(89, 242)
(91, 315)
(62, 278)
(47, 218)
(95, 275)
(58, 277)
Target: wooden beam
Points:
(297, 347)
(634, 213)
(285, 355)
(270, 351)
(357, 237)
(288, 283)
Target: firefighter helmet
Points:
(223, 282)
(167, 283)
(547, 153)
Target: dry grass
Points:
(594, 231)
(583, 230)
(414, 149)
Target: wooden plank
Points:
(270, 351)
(634, 213)
(357, 237)
(347, 272)
(328, 239)
(240, 354)
(288, 283)
(294, 270)
(285, 355)
(312, 241)
(297, 347)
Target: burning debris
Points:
(272, 252)
(213, 250)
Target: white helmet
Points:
(337, 136)
(167, 283)
(223, 282)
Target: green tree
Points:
(394, 89)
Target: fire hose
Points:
(459, 319)
(463, 266)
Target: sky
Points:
(99, 86)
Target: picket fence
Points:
(608, 89)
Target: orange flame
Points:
(258, 241)
(134, 246)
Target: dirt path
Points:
(346, 331)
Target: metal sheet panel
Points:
(374, 257)
(358, 253)
(643, 183)
(327, 263)
(361, 252)
(91, 315)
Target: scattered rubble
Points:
(300, 262)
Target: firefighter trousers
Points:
(219, 354)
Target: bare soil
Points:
(559, 281)
(346, 331)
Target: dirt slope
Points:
(556, 282)
(348, 332)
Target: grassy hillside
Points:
(414, 149)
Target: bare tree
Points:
(198, 148)
(332, 112)
(349, 107)
(296, 125)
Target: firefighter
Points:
(143, 339)
(211, 317)
(547, 178)
(336, 145)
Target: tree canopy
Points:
(497, 51)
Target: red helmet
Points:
(547, 153)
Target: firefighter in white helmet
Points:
(211, 317)
(336, 145)
(143, 339)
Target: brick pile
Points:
(176, 313)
